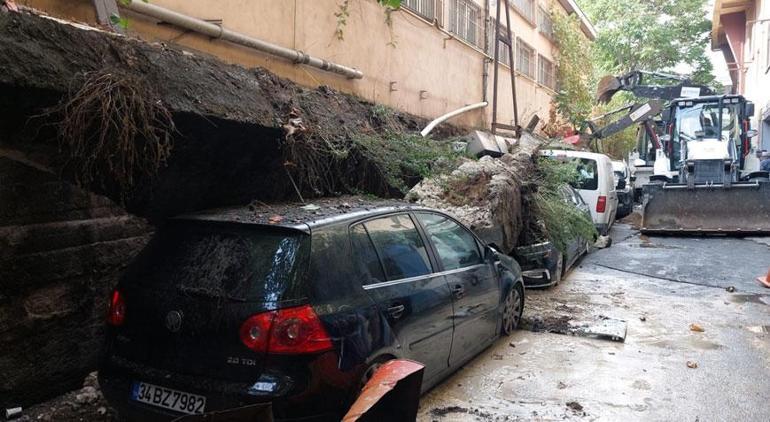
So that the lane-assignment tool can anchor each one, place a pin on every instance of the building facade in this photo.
(427, 58)
(741, 30)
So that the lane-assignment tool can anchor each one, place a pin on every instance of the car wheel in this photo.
(512, 309)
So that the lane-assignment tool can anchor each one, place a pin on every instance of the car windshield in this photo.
(222, 261)
(701, 121)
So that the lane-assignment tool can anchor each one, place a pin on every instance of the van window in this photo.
(588, 174)
(399, 246)
(366, 258)
(455, 246)
(222, 261)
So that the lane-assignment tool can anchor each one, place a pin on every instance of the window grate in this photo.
(544, 23)
(463, 18)
(545, 74)
(424, 8)
(525, 58)
(526, 8)
(502, 49)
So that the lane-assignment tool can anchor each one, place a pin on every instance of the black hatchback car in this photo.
(296, 306)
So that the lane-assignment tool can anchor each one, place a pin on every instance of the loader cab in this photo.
(645, 145)
(707, 128)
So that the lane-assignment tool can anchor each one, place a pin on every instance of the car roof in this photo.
(570, 153)
(302, 216)
(618, 165)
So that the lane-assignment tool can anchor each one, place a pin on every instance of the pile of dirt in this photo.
(486, 195)
(239, 134)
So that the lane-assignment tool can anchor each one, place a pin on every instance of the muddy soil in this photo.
(235, 126)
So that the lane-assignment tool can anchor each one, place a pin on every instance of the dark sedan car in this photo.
(242, 306)
(542, 264)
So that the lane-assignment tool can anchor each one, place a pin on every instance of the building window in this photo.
(525, 58)
(502, 49)
(424, 8)
(544, 23)
(767, 53)
(525, 8)
(463, 20)
(545, 73)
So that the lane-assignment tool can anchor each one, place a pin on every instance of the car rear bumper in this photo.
(116, 384)
(539, 277)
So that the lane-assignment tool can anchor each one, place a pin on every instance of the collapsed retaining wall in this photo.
(61, 251)
(62, 247)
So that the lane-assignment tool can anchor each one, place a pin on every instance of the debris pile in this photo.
(485, 195)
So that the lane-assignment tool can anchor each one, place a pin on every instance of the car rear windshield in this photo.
(588, 174)
(223, 261)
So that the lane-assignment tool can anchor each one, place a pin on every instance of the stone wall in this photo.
(62, 250)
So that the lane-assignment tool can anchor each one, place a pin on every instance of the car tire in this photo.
(513, 308)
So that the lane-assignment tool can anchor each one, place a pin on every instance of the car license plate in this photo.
(167, 398)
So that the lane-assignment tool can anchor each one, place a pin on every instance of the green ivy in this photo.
(574, 70)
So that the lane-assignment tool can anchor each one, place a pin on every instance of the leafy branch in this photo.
(343, 13)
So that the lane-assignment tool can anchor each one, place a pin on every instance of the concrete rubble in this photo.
(485, 195)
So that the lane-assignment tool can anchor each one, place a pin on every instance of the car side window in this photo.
(366, 258)
(456, 247)
(399, 246)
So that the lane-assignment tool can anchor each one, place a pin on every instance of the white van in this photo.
(597, 184)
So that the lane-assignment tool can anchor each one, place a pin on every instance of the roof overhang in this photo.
(585, 24)
(721, 8)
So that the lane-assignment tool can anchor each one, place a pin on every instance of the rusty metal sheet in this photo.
(393, 393)
(741, 209)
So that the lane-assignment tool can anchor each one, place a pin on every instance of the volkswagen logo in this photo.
(174, 321)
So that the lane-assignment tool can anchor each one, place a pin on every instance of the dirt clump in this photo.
(486, 195)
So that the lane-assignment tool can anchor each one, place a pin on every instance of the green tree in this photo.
(574, 70)
(654, 35)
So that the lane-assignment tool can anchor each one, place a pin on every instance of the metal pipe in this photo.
(449, 115)
(216, 31)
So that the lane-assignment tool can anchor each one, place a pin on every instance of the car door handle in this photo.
(396, 310)
(458, 291)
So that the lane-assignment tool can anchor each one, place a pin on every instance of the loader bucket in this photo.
(740, 209)
(607, 87)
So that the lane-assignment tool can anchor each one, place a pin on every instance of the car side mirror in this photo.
(752, 133)
(491, 251)
(632, 178)
(621, 184)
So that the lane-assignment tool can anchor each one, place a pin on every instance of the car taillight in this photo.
(289, 331)
(117, 312)
(601, 204)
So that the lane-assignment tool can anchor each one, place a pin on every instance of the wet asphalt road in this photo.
(658, 286)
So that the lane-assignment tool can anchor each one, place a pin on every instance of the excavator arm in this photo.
(635, 82)
(634, 114)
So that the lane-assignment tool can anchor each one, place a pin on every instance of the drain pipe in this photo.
(216, 31)
(449, 115)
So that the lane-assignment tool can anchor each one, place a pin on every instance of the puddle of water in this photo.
(751, 298)
(648, 245)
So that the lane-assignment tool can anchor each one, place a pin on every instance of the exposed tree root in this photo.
(114, 128)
